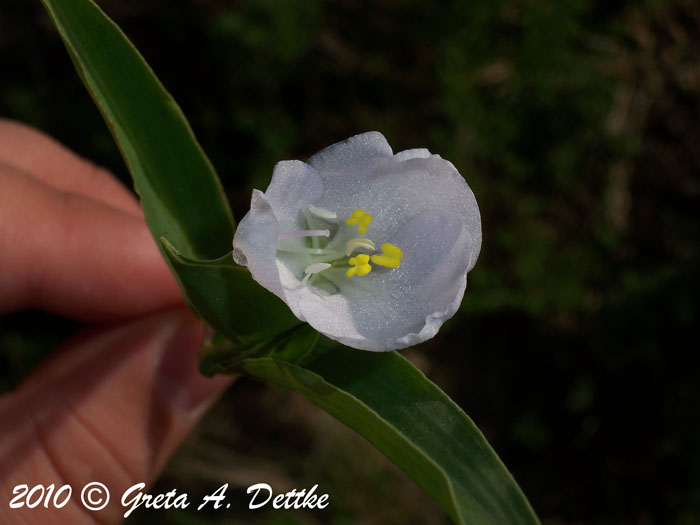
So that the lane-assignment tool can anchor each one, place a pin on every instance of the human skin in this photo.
(112, 403)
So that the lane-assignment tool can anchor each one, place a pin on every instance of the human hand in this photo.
(112, 404)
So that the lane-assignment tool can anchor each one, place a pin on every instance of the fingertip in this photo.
(42, 157)
(74, 256)
(104, 265)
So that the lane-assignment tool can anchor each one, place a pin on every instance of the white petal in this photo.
(407, 305)
(352, 155)
(397, 191)
(294, 185)
(331, 315)
(345, 167)
(391, 309)
(418, 153)
(255, 243)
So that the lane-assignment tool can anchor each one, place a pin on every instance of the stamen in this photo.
(323, 213)
(311, 225)
(359, 265)
(313, 269)
(390, 258)
(310, 251)
(361, 218)
(354, 244)
(303, 233)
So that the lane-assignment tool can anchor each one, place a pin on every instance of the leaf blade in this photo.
(380, 396)
(229, 299)
(181, 195)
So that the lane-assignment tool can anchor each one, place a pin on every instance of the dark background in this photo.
(577, 126)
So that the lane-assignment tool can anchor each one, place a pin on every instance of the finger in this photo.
(72, 255)
(40, 156)
(137, 396)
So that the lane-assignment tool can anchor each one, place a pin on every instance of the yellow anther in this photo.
(361, 218)
(360, 265)
(391, 256)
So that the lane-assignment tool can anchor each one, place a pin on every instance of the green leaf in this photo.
(409, 419)
(180, 192)
(223, 357)
(226, 296)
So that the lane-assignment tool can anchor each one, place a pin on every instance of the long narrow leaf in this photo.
(384, 398)
(180, 192)
(227, 297)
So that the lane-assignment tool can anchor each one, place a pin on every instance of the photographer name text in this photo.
(95, 496)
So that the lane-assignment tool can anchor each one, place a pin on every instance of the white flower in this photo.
(370, 248)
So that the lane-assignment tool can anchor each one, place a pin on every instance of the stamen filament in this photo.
(313, 269)
(310, 223)
(310, 251)
(303, 233)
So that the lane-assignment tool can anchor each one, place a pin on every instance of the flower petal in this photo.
(255, 243)
(330, 315)
(397, 191)
(384, 310)
(345, 166)
(417, 153)
(354, 155)
(393, 309)
(294, 185)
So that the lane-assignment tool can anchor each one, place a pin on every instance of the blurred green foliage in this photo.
(576, 124)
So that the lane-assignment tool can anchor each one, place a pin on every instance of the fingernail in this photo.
(178, 379)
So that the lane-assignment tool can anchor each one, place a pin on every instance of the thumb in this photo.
(108, 407)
